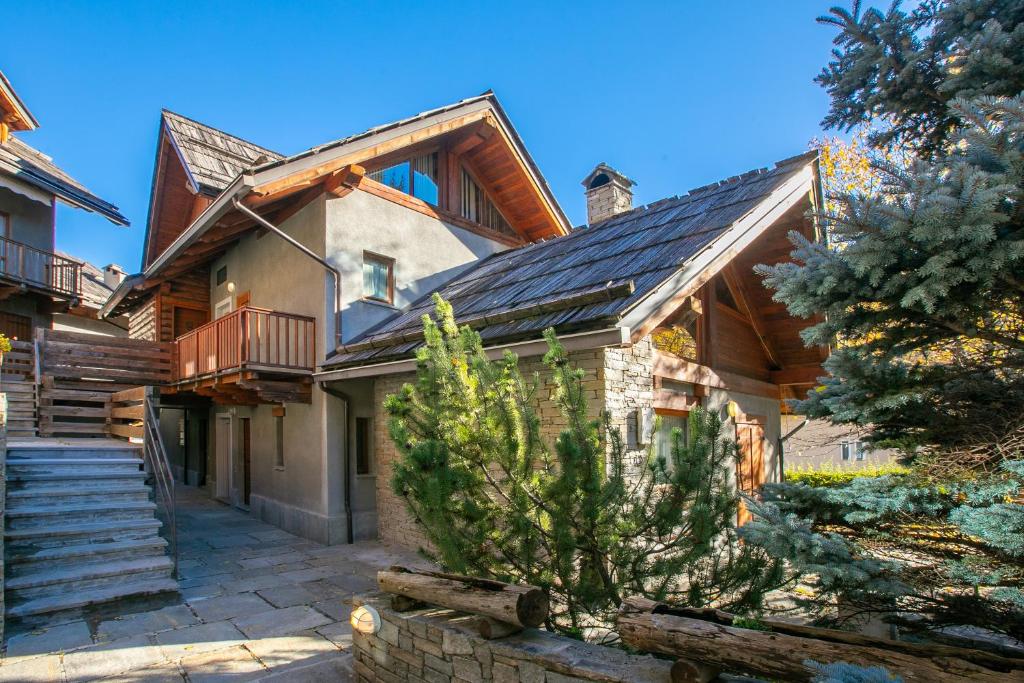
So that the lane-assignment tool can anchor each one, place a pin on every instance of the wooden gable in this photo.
(174, 204)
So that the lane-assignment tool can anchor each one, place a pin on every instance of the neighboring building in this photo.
(35, 281)
(96, 287)
(821, 444)
(292, 289)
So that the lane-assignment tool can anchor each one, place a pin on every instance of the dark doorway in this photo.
(188, 319)
(246, 461)
(14, 326)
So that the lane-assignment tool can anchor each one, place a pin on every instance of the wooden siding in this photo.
(174, 202)
(154, 319)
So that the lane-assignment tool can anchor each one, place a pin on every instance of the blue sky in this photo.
(674, 95)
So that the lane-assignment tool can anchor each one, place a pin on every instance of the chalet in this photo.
(35, 281)
(290, 290)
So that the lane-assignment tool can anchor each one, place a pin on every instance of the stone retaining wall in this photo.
(436, 645)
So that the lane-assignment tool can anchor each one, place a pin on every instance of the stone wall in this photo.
(436, 645)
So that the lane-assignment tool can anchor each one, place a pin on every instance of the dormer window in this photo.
(416, 176)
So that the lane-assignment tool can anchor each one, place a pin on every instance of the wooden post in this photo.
(522, 606)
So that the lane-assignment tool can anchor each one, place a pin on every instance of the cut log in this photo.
(985, 659)
(523, 606)
(782, 656)
(685, 671)
(491, 629)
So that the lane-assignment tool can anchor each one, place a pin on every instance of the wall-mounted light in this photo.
(732, 409)
(365, 619)
(231, 287)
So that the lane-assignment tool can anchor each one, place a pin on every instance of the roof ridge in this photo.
(164, 111)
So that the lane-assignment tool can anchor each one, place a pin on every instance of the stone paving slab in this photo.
(280, 622)
(263, 605)
(229, 606)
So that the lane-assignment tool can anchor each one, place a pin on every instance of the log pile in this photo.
(705, 642)
(502, 608)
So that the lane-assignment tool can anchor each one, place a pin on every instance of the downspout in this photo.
(782, 448)
(347, 463)
(308, 252)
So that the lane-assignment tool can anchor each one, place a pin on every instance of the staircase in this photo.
(80, 529)
(21, 405)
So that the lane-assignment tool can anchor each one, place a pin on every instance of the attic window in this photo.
(724, 294)
(416, 176)
(478, 207)
(680, 334)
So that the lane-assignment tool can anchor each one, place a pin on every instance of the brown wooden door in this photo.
(188, 319)
(246, 460)
(750, 468)
(14, 326)
(242, 299)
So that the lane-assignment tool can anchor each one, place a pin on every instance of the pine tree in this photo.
(496, 501)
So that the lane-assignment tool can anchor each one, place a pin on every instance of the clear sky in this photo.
(674, 95)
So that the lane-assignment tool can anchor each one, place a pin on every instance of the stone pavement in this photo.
(257, 603)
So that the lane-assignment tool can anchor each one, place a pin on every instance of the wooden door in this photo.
(750, 467)
(242, 299)
(246, 460)
(14, 326)
(187, 319)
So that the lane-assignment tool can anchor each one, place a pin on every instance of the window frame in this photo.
(390, 263)
(279, 442)
(5, 225)
(670, 412)
(406, 157)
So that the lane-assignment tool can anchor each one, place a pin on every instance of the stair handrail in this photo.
(157, 462)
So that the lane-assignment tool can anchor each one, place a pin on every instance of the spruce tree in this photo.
(495, 500)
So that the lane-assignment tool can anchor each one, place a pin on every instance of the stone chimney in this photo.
(113, 274)
(608, 193)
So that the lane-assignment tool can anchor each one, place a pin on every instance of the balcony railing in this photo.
(253, 338)
(43, 269)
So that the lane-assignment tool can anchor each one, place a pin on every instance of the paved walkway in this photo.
(257, 603)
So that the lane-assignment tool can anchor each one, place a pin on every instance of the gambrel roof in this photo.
(608, 275)
(212, 158)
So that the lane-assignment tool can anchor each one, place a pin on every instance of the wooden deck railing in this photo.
(248, 337)
(40, 268)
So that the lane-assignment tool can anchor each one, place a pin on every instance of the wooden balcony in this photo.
(39, 269)
(252, 354)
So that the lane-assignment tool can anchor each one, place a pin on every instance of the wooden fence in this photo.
(79, 372)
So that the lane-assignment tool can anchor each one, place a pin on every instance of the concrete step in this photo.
(77, 452)
(43, 480)
(30, 561)
(59, 535)
(92, 575)
(66, 495)
(71, 468)
(89, 598)
(31, 516)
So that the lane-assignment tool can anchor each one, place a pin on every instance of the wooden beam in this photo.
(798, 374)
(734, 282)
(680, 370)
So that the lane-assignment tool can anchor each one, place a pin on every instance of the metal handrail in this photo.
(40, 267)
(159, 465)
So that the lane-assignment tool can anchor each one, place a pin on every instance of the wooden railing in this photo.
(248, 337)
(40, 268)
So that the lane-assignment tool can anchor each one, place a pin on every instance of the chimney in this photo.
(113, 274)
(609, 193)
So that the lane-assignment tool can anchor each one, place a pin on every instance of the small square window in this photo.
(378, 277)
(363, 434)
(222, 275)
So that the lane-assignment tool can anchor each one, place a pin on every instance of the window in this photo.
(852, 450)
(416, 176)
(222, 275)
(846, 449)
(858, 450)
(279, 436)
(5, 225)
(679, 335)
(378, 277)
(668, 423)
(478, 207)
(222, 308)
(364, 462)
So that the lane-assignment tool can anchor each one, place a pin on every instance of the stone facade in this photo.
(441, 646)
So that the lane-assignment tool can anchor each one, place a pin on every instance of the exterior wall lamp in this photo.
(365, 619)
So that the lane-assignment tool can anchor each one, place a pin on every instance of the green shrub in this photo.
(829, 475)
